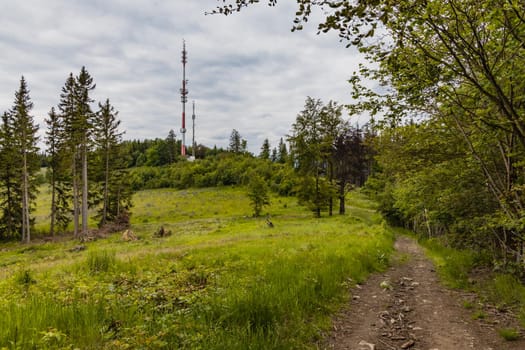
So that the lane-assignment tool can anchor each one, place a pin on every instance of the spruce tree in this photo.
(77, 116)
(10, 195)
(25, 141)
(108, 139)
(84, 114)
(282, 154)
(68, 145)
(265, 150)
(58, 172)
(171, 144)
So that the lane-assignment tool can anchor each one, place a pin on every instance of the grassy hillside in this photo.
(222, 280)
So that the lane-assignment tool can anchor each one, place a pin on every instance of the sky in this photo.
(247, 71)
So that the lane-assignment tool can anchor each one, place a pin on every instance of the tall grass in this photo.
(100, 261)
(455, 267)
(223, 280)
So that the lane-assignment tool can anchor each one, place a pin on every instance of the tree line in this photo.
(83, 155)
(88, 165)
(325, 159)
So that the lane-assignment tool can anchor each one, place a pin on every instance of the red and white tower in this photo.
(184, 99)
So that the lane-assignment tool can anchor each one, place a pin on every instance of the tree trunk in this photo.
(53, 204)
(317, 196)
(84, 189)
(26, 234)
(75, 199)
(342, 208)
(106, 189)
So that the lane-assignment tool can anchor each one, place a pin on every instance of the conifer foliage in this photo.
(76, 138)
(79, 138)
(19, 159)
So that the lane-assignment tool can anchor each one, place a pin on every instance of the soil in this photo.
(406, 307)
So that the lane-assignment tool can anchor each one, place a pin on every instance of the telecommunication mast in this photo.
(184, 99)
(193, 134)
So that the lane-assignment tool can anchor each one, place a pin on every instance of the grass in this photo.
(100, 261)
(455, 266)
(222, 280)
(509, 334)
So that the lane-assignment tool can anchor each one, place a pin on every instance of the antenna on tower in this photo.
(184, 99)
(193, 134)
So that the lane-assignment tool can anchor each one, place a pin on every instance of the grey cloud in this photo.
(245, 71)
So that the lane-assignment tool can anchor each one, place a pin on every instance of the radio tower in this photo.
(184, 99)
(193, 133)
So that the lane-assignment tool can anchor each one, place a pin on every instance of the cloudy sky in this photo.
(246, 72)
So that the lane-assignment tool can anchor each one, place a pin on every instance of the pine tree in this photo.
(10, 195)
(282, 153)
(25, 141)
(58, 174)
(77, 116)
(69, 147)
(107, 138)
(274, 157)
(84, 84)
(265, 150)
(171, 143)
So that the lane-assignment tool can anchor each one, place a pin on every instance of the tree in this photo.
(265, 150)
(307, 152)
(77, 116)
(282, 154)
(331, 126)
(69, 144)
(171, 144)
(10, 194)
(274, 156)
(84, 84)
(258, 193)
(350, 157)
(107, 138)
(235, 142)
(25, 141)
(57, 172)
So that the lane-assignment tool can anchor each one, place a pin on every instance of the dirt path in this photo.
(413, 312)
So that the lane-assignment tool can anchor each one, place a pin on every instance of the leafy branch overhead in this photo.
(353, 21)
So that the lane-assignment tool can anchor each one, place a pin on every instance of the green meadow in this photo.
(221, 280)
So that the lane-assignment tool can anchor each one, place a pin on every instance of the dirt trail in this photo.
(413, 312)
